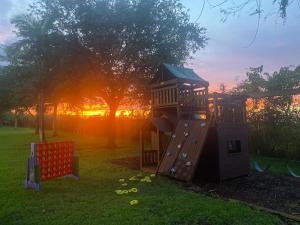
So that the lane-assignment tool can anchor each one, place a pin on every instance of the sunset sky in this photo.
(228, 54)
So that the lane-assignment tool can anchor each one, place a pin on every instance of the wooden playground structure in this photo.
(193, 132)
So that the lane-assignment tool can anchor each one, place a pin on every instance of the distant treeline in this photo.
(91, 126)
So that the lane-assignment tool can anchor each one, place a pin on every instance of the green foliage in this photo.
(275, 120)
(92, 199)
(278, 165)
(112, 47)
(125, 41)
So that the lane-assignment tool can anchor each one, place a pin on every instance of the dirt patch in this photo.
(130, 162)
(278, 192)
(273, 191)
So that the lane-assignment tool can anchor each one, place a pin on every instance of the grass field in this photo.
(92, 200)
(278, 165)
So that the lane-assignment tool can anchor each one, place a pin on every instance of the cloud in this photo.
(8, 9)
(5, 27)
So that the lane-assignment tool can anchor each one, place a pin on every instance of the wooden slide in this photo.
(184, 150)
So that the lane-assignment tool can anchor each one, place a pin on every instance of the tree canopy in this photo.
(110, 48)
(273, 119)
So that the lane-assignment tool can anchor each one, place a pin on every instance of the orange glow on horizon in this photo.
(102, 110)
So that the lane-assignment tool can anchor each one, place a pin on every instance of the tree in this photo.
(35, 59)
(126, 41)
(5, 94)
(272, 118)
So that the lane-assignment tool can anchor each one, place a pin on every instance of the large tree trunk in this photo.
(111, 139)
(54, 121)
(42, 117)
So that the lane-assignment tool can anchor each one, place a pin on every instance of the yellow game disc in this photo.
(134, 190)
(133, 178)
(133, 202)
(119, 192)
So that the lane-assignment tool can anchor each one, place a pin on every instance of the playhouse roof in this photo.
(182, 72)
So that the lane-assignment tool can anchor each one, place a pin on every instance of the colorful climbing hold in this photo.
(189, 163)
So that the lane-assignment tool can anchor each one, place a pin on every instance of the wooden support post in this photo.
(216, 107)
(159, 145)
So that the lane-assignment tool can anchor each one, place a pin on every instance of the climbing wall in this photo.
(184, 150)
(177, 140)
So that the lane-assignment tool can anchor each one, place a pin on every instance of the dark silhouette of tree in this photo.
(273, 119)
(126, 42)
(34, 61)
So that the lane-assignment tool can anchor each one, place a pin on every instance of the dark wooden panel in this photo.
(233, 165)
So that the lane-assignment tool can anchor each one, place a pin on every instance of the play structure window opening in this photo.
(234, 146)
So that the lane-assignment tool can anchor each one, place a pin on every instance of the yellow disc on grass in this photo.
(134, 202)
(133, 178)
(119, 192)
(134, 190)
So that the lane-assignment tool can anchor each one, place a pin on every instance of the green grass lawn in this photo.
(278, 165)
(92, 199)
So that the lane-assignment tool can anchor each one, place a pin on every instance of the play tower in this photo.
(192, 132)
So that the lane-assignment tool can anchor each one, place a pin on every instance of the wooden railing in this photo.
(150, 157)
(183, 97)
(164, 96)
